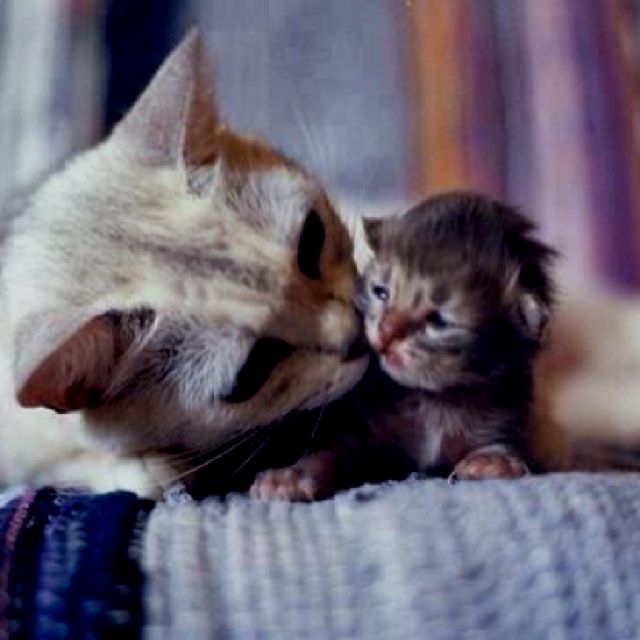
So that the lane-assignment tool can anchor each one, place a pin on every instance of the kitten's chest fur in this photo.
(434, 434)
(435, 431)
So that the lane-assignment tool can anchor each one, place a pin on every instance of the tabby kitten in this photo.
(455, 300)
(172, 289)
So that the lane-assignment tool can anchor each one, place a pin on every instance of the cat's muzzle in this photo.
(356, 346)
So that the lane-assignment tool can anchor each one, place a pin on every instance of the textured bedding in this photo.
(549, 557)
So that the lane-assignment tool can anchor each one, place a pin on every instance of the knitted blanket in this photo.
(549, 557)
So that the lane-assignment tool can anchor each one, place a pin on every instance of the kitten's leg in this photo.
(494, 461)
(350, 462)
(311, 478)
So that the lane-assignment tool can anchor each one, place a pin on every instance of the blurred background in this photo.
(535, 101)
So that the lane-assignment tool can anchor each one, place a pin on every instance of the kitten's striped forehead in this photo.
(416, 293)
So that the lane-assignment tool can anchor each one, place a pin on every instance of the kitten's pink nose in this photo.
(393, 326)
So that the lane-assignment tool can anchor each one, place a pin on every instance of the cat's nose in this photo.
(393, 326)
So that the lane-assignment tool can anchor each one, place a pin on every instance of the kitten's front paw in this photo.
(489, 464)
(307, 480)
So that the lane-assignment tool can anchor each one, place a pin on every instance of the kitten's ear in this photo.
(175, 120)
(67, 362)
(530, 295)
(373, 232)
(531, 314)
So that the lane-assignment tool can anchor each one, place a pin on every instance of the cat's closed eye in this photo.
(266, 354)
(310, 245)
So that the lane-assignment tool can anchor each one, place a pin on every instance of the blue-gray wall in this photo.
(322, 79)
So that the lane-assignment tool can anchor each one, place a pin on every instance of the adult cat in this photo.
(174, 287)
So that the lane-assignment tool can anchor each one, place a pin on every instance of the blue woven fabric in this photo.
(73, 571)
(549, 557)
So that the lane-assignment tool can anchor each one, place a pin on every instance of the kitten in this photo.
(456, 300)
(175, 288)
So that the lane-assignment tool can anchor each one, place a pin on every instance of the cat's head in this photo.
(181, 280)
(457, 291)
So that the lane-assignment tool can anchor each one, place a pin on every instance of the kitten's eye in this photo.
(435, 320)
(380, 292)
(310, 245)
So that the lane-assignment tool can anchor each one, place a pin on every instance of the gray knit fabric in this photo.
(551, 558)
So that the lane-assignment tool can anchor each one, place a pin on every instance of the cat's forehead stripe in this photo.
(205, 263)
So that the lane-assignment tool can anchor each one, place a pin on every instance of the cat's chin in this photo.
(339, 377)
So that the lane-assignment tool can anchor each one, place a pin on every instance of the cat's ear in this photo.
(67, 362)
(175, 120)
(373, 233)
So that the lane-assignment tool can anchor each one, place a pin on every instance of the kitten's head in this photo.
(181, 280)
(457, 292)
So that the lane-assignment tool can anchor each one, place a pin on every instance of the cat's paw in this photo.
(307, 480)
(489, 464)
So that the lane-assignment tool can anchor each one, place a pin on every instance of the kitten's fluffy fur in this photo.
(140, 278)
(466, 297)
(456, 300)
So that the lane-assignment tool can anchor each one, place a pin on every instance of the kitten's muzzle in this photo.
(393, 326)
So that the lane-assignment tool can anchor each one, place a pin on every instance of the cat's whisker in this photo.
(320, 144)
(187, 456)
(254, 433)
(315, 429)
(366, 186)
(310, 141)
(226, 444)
(267, 437)
(330, 144)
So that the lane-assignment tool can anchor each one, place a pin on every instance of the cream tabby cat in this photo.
(173, 287)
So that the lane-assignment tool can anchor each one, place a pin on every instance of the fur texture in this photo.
(139, 280)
